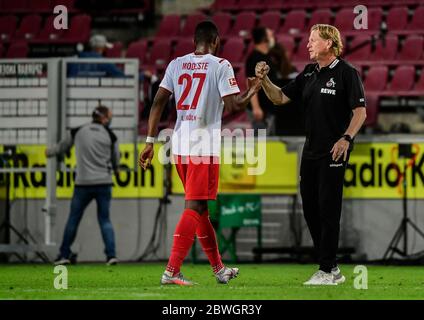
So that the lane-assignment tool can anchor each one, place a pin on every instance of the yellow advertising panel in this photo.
(129, 184)
(375, 171)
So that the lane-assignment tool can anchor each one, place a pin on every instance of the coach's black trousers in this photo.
(321, 188)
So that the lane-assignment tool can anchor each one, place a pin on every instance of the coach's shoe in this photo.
(112, 261)
(226, 274)
(337, 274)
(61, 261)
(65, 261)
(168, 278)
(321, 278)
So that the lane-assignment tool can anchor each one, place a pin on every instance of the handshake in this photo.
(261, 71)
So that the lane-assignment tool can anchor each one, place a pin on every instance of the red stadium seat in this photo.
(376, 79)
(223, 22)
(361, 54)
(115, 51)
(274, 4)
(372, 109)
(137, 50)
(403, 79)
(344, 20)
(169, 26)
(412, 48)
(397, 19)
(17, 49)
(244, 23)
(1, 50)
(375, 16)
(302, 53)
(419, 85)
(191, 23)
(48, 32)
(233, 50)
(271, 20)
(160, 53)
(294, 22)
(225, 5)
(184, 46)
(14, 6)
(7, 27)
(385, 50)
(30, 26)
(41, 6)
(252, 4)
(417, 22)
(319, 16)
(79, 29)
(287, 42)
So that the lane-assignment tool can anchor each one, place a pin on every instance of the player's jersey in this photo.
(199, 82)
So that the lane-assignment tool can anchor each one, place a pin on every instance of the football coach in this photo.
(331, 95)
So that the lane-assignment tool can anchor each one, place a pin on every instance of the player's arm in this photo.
(238, 102)
(159, 103)
(60, 148)
(273, 92)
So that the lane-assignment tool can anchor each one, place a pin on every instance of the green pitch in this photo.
(264, 281)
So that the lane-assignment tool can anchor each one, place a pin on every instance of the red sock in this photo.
(207, 237)
(183, 239)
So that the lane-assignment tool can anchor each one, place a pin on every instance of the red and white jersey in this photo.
(199, 82)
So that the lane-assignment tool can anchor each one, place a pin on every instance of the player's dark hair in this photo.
(259, 35)
(99, 112)
(206, 32)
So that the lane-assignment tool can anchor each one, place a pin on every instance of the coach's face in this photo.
(317, 46)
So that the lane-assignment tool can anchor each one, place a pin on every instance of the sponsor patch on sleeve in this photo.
(233, 82)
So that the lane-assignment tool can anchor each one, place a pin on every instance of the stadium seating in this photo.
(41, 6)
(417, 22)
(271, 20)
(412, 48)
(397, 19)
(184, 46)
(160, 54)
(419, 85)
(294, 23)
(223, 22)
(319, 16)
(169, 26)
(363, 52)
(243, 25)
(1, 50)
(8, 26)
(48, 32)
(191, 23)
(79, 30)
(115, 51)
(344, 20)
(138, 50)
(14, 6)
(376, 79)
(385, 50)
(30, 27)
(18, 49)
(287, 42)
(403, 79)
(233, 51)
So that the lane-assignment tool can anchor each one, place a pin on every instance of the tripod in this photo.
(159, 228)
(6, 224)
(405, 152)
